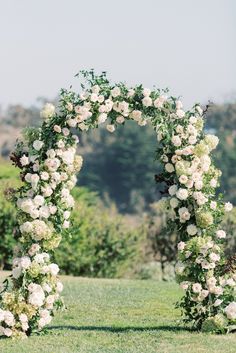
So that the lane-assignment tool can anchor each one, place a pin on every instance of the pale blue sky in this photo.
(187, 45)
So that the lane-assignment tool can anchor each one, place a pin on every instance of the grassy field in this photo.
(120, 316)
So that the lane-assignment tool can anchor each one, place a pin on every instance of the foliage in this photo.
(7, 214)
(99, 244)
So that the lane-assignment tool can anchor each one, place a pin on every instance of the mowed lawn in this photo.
(120, 316)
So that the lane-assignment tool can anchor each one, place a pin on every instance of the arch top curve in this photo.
(48, 162)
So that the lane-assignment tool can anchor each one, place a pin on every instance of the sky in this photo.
(185, 45)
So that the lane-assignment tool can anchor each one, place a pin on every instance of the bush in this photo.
(100, 244)
(7, 215)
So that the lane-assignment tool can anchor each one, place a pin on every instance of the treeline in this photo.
(121, 166)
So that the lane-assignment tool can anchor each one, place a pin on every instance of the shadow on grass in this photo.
(121, 329)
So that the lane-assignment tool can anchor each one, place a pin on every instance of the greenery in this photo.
(120, 316)
(100, 244)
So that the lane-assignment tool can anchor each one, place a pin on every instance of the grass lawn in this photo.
(119, 316)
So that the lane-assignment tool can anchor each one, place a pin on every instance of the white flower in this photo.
(47, 111)
(214, 257)
(181, 246)
(102, 118)
(182, 194)
(26, 227)
(131, 92)
(57, 128)
(176, 140)
(68, 156)
(213, 183)
(7, 332)
(199, 109)
(158, 103)
(146, 92)
(69, 106)
(179, 105)
(220, 234)
(38, 144)
(191, 229)
(136, 115)
(66, 214)
(65, 131)
(174, 202)
(24, 160)
(213, 205)
(115, 92)
(37, 297)
(52, 164)
(183, 179)
(66, 224)
(147, 101)
(230, 311)
(196, 287)
(228, 207)
(184, 214)
(72, 122)
(110, 128)
(169, 168)
(33, 249)
(25, 262)
(23, 318)
(16, 272)
(180, 113)
(217, 302)
(172, 190)
(9, 318)
(120, 119)
(53, 269)
(39, 200)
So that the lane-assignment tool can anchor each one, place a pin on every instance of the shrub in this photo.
(100, 243)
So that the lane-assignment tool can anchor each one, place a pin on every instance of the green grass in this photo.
(120, 316)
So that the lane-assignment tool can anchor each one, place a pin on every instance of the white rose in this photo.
(120, 119)
(102, 118)
(230, 311)
(25, 262)
(39, 200)
(57, 128)
(176, 140)
(180, 113)
(37, 144)
(183, 179)
(179, 105)
(147, 101)
(53, 269)
(169, 168)
(182, 194)
(172, 190)
(174, 202)
(181, 245)
(146, 92)
(24, 160)
(110, 128)
(213, 183)
(220, 234)
(196, 287)
(115, 92)
(72, 122)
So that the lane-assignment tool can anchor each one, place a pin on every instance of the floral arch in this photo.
(48, 162)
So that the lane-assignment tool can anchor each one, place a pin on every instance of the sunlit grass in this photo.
(120, 316)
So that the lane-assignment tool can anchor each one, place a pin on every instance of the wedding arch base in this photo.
(48, 162)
